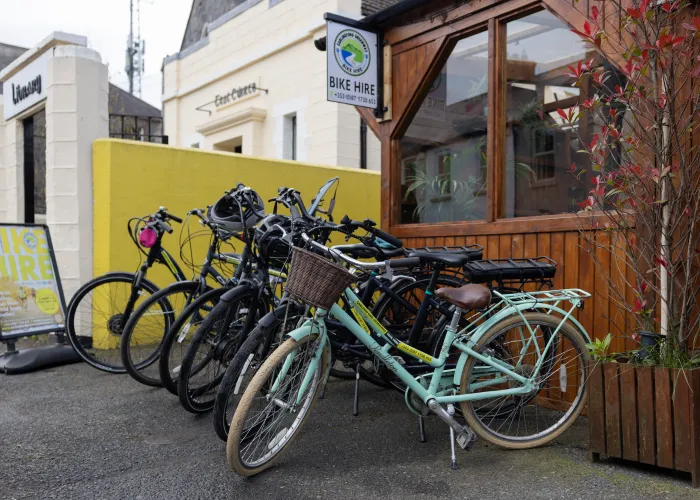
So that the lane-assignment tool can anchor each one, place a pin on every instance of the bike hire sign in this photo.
(27, 87)
(31, 301)
(352, 59)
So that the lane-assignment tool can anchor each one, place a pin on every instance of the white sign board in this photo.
(352, 59)
(27, 87)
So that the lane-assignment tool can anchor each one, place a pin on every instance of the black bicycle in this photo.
(144, 335)
(222, 332)
(100, 309)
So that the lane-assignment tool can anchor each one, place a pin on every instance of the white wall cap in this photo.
(55, 38)
(77, 52)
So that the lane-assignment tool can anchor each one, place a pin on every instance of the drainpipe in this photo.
(363, 144)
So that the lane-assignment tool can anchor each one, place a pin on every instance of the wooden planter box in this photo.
(645, 414)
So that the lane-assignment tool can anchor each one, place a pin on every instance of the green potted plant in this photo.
(645, 406)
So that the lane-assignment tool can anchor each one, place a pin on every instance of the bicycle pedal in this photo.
(466, 438)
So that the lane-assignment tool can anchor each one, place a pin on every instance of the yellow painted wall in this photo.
(133, 179)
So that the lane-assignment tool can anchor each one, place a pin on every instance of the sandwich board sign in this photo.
(354, 63)
(31, 296)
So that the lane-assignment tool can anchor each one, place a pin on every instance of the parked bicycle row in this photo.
(485, 345)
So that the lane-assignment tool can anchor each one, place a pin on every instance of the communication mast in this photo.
(135, 50)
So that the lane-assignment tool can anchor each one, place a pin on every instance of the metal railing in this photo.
(136, 128)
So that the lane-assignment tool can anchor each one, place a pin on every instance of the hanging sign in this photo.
(27, 87)
(31, 297)
(353, 62)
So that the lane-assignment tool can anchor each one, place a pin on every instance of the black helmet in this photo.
(269, 238)
(238, 210)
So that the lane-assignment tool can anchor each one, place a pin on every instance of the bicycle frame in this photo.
(369, 329)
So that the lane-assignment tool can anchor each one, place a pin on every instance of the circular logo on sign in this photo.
(30, 240)
(47, 301)
(352, 52)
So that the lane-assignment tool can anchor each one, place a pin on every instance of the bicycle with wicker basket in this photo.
(541, 380)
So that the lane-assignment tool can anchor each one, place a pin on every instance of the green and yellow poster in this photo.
(30, 297)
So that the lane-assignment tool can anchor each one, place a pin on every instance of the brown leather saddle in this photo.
(467, 297)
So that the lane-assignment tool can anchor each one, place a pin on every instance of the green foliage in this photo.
(441, 193)
(599, 349)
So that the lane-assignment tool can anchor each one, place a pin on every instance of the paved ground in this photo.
(76, 433)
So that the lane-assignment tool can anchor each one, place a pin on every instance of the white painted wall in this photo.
(76, 115)
(272, 46)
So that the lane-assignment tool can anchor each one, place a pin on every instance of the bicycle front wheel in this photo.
(144, 333)
(97, 315)
(178, 339)
(536, 418)
(276, 404)
(213, 347)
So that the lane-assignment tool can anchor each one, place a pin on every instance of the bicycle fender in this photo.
(459, 368)
(278, 314)
(542, 307)
(474, 338)
(306, 330)
(230, 294)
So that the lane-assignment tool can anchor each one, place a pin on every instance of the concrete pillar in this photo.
(12, 172)
(76, 115)
(3, 188)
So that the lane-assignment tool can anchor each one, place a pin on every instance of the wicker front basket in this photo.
(315, 280)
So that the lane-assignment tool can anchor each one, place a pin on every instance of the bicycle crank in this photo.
(464, 435)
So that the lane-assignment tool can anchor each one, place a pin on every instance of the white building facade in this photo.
(251, 81)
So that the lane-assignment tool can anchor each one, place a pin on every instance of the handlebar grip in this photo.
(175, 218)
(407, 262)
(165, 227)
(393, 241)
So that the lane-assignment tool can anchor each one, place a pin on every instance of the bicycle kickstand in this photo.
(421, 429)
(453, 465)
(356, 402)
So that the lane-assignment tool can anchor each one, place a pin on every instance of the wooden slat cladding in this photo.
(576, 269)
(645, 414)
(409, 69)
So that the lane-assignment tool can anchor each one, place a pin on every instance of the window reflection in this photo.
(540, 148)
(443, 153)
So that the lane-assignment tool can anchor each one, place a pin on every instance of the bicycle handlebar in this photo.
(336, 253)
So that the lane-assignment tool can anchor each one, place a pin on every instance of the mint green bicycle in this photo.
(517, 371)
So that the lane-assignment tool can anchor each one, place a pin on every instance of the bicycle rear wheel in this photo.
(96, 317)
(540, 416)
(144, 333)
(276, 404)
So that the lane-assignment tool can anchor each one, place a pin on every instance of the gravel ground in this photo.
(75, 433)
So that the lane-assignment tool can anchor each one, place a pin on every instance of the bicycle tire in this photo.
(165, 299)
(85, 347)
(475, 416)
(261, 341)
(169, 363)
(266, 372)
(222, 348)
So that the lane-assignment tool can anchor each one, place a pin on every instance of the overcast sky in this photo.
(105, 23)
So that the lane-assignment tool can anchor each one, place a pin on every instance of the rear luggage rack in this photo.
(475, 252)
(503, 272)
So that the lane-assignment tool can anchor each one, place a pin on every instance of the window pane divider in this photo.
(496, 120)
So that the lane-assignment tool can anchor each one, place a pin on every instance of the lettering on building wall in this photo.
(21, 92)
(235, 94)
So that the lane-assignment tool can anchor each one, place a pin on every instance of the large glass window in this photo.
(443, 162)
(443, 153)
(540, 147)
